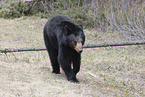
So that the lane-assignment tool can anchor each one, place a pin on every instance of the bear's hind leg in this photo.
(52, 55)
(53, 58)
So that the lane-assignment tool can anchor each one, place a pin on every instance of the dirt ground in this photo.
(28, 79)
(105, 72)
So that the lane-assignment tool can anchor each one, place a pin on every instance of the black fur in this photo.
(60, 37)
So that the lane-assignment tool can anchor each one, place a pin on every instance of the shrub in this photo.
(123, 16)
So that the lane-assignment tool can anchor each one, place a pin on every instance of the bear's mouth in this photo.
(79, 47)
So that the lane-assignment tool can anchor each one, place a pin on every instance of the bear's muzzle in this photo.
(79, 47)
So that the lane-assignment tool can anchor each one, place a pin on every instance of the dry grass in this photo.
(116, 71)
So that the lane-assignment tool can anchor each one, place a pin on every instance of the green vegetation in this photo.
(123, 16)
(112, 71)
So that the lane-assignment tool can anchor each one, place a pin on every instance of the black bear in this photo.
(64, 41)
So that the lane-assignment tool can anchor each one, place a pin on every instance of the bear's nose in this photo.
(80, 50)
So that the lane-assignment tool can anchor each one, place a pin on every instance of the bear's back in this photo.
(53, 26)
(56, 20)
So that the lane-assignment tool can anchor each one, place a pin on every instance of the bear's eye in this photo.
(75, 42)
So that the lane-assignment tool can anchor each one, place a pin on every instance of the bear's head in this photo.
(74, 36)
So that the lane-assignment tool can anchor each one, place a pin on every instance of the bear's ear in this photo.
(81, 26)
(67, 30)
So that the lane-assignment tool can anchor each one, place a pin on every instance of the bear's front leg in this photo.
(70, 74)
(65, 63)
(76, 63)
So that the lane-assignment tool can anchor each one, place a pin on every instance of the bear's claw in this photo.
(56, 72)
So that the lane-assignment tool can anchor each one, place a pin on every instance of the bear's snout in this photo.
(79, 47)
(80, 50)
